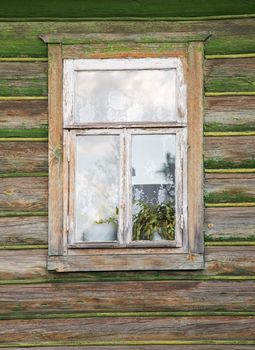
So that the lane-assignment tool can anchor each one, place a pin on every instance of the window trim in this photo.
(189, 47)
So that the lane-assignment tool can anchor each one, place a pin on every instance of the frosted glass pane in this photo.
(125, 96)
(97, 188)
(153, 186)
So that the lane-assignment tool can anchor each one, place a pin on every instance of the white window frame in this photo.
(126, 130)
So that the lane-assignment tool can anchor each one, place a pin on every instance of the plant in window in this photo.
(154, 220)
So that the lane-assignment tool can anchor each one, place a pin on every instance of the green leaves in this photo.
(151, 219)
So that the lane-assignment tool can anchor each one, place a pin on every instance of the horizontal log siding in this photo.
(70, 294)
(128, 329)
(229, 36)
(26, 264)
(45, 300)
(43, 346)
(229, 113)
(222, 75)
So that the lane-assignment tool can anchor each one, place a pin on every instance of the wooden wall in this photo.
(200, 310)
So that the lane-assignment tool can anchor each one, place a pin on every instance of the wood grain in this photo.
(23, 78)
(22, 264)
(230, 113)
(230, 75)
(56, 298)
(127, 329)
(23, 157)
(55, 152)
(16, 116)
(28, 194)
(229, 36)
(229, 223)
(195, 144)
(24, 230)
(142, 347)
(234, 151)
(220, 188)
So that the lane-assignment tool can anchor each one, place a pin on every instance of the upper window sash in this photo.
(175, 114)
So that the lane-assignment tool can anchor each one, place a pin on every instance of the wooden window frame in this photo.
(189, 48)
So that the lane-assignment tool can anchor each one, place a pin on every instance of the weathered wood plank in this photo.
(55, 298)
(23, 157)
(145, 347)
(23, 118)
(127, 8)
(127, 329)
(24, 230)
(195, 141)
(230, 75)
(22, 264)
(229, 152)
(230, 224)
(229, 36)
(228, 188)
(55, 151)
(24, 193)
(230, 113)
(23, 79)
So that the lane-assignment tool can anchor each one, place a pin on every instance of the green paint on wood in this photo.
(230, 84)
(229, 197)
(215, 127)
(17, 98)
(23, 247)
(230, 93)
(229, 244)
(219, 163)
(241, 55)
(33, 87)
(22, 213)
(230, 239)
(125, 8)
(7, 175)
(23, 59)
(223, 205)
(228, 133)
(131, 276)
(24, 133)
(23, 139)
(165, 314)
(128, 343)
(230, 171)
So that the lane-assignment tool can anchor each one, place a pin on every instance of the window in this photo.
(125, 157)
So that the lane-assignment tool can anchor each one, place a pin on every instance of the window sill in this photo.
(125, 262)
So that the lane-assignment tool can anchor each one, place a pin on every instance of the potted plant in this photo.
(154, 221)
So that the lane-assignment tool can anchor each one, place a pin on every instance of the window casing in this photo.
(68, 250)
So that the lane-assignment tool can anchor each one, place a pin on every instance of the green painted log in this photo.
(228, 37)
(125, 8)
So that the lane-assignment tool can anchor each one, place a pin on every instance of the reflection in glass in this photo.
(125, 96)
(97, 188)
(153, 187)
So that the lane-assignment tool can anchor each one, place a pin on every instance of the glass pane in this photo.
(153, 187)
(97, 188)
(125, 96)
